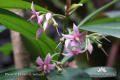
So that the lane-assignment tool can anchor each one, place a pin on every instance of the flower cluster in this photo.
(94, 38)
(39, 19)
(74, 39)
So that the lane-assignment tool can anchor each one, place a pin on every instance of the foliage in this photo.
(45, 45)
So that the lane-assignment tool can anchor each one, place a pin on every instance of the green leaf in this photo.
(109, 28)
(103, 20)
(17, 23)
(2, 28)
(6, 49)
(96, 12)
(15, 72)
(110, 72)
(17, 4)
(70, 74)
(83, 1)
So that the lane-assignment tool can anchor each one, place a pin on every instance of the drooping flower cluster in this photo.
(94, 38)
(45, 66)
(72, 40)
(39, 19)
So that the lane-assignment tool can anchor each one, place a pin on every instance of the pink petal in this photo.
(81, 51)
(46, 71)
(81, 41)
(67, 49)
(78, 48)
(45, 25)
(70, 37)
(40, 68)
(41, 18)
(83, 34)
(32, 8)
(48, 59)
(67, 43)
(38, 33)
(39, 61)
(90, 48)
(75, 29)
(51, 66)
(73, 43)
(40, 25)
(37, 18)
(67, 54)
(48, 16)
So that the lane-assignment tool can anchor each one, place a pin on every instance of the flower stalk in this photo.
(65, 22)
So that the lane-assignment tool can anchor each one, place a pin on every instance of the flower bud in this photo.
(62, 39)
(38, 33)
(95, 38)
(59, 70)
(90, 48)
(48, 16)
(45, 25)
(99, 45)
(100, 35)
(55, 25)
(58, 63)
(41, 18)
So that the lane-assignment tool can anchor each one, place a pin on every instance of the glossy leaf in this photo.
(96, 12)
(109, 28)
(15, 72)
(103, 20)
(70, 74)
(6, 49)
(16, 23)
(97, 70)
(18, 4)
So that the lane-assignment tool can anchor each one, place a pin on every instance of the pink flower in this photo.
(38, 33)
(90, 48)
(34, 16)
(45, 65)
(48, 16)
(67, 43)
(74, 51)
(41, 18)
(76, 37)
(45, 25)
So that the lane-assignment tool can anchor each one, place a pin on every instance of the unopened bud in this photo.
(58, 63)
(59, 70)
(65, 7)
(95, 38)
(99, 45)
(100, 35)
(55, 25)
(62, 39)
